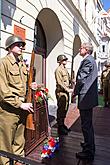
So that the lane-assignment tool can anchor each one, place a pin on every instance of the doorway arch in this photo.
(54, 44)
(48, 44)
(51, 26)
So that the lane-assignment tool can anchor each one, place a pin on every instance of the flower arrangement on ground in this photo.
(50, 147)
(52, 144)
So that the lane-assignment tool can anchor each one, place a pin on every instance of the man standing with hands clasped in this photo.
(87, 90)
(13, 109)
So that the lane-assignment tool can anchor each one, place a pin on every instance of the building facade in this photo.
(51, 28)
(102, 33)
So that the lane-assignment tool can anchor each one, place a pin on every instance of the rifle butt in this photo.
(29, 122)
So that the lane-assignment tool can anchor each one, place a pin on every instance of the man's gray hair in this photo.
(88, 46)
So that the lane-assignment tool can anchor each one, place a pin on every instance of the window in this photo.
(103, 48)
(40, 54)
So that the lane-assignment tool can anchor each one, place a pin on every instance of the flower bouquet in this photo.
(50, 147)
(41, 93)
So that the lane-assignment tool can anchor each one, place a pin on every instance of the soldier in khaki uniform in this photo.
(13, 109)
(105, 84)
(62, 93)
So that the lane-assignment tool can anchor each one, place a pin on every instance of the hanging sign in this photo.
(19, 31)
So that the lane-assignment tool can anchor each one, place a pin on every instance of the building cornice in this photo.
(80, 19)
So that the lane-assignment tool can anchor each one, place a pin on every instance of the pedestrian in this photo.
(87, 90)
(62, 93)
(13, 109)
(105, 84)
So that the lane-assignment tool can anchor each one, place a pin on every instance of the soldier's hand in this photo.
(33, 85)
(27, 107)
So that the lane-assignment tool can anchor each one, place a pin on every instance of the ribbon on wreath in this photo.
(52, 144)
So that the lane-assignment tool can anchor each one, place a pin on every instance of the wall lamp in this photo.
(21, 19)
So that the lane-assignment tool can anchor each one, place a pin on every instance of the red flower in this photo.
(44, 151)
(38, 94)
(46, 90)
(41, 94)
(51, 142)
(48, 151)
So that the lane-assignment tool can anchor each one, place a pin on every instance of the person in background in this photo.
(13, 109)
(105, 84)
(62, 93)
(87, 90)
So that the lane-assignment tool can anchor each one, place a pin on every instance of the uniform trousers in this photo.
(87, 129)
(12, 127)
(106, 93)
(62, 103)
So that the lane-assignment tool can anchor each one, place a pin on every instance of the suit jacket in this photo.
(86, 84)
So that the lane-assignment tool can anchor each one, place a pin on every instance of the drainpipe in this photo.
(0, 27)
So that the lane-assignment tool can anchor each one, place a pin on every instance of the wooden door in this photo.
(33, 138)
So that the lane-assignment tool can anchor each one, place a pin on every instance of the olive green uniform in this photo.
(13, 78)
(62, 93)
(105, 85)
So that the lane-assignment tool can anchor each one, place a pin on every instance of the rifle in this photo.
(29, 120)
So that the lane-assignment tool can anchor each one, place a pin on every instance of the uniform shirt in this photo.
(13, 78)
(105, 77)
(62, 78)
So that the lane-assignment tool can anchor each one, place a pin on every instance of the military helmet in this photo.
(13, 39)
(107, 64)
(61, 58)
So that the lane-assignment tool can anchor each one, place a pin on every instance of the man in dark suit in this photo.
(87, 90)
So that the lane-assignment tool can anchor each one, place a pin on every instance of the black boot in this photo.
(84, 145)
(85, 155)
(105, 105)
(62, 130)
(65, 127)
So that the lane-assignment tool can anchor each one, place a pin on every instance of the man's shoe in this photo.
(65, 127)
(84, 156)
(62, 131)
(83, 145)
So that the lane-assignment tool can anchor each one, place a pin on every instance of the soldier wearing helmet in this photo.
(105, 84)
(12, 40)
(13, 109)
(62, 93)
(61, 58)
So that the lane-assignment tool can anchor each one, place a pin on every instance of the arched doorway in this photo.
(48, 44)
(54, 44)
